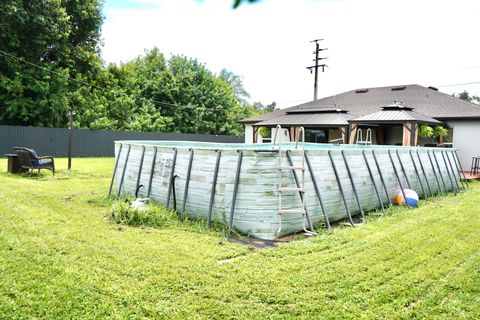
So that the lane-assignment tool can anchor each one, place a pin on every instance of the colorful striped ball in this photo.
(412, 198)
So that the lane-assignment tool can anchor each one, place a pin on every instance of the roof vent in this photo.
(361, 91)
(399, 88)
(396, 105)
(317, 110)
(433, 88)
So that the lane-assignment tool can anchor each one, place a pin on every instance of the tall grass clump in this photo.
(159, 217)
(153, 216)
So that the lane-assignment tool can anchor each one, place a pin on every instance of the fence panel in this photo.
(87, 143)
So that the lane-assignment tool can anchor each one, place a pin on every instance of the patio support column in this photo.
(406, 134)
(343, 131)
(292, 134)
(295, 134)
(414, 134)
(353, 133)
(409, 134)
(255, 134)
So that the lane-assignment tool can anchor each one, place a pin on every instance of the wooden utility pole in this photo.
(70, 136)
(316, 66)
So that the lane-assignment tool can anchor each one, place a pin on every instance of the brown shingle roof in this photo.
(322, 119)
(426, 101)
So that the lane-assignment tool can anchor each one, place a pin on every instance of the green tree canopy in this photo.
(50, 64)
(43, 44)
(151, 93)
(236, 82)
(237, 3)
(465, 95)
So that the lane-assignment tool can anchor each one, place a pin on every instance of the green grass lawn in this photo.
(61, 258)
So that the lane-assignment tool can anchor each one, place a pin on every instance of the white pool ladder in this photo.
(368, 137)
(297, 189)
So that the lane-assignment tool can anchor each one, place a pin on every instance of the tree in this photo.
(237, 3)
(236, 82)
(467, 97)
(425, 131)
(151, 93)
(261, 108)
(440, 131)
(50, 64)
(122, 97)
(43, 45)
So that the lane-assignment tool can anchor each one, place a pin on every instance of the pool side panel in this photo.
(256, 209)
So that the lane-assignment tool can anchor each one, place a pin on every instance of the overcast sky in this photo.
(370, 42)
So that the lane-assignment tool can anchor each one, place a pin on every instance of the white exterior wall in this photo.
(248, 133)
(466, 137)
(283, 136)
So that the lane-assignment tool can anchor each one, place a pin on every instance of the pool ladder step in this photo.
(283, 189)
(301, 168)
(287, 211)
(299, 182)
(368, 138)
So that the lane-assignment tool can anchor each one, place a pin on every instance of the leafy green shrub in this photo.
(153, 216)
(440, 131)
(159, 217)
(425, 131)
(265, 132)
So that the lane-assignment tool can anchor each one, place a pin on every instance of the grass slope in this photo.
(60, 258)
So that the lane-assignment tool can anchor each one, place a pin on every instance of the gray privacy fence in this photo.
(87, 143)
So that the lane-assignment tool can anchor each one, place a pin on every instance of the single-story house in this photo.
(393, 114)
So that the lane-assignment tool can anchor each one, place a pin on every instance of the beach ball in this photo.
(412, 198)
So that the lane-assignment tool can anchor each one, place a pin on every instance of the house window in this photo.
(316, 136)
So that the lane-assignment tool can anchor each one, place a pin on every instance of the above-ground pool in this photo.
(257, 189)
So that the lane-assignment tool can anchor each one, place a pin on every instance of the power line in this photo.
(459, 84)
(161, 103)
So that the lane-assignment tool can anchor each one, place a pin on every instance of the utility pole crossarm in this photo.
(319, 66)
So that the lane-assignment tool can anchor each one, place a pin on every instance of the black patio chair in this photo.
(475, 165)
(29, 160)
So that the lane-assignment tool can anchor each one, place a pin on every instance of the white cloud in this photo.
(371, 42)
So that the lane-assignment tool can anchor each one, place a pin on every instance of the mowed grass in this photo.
(60, 258)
